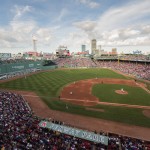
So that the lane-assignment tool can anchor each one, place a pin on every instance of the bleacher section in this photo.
(138, 69)
(19, 129)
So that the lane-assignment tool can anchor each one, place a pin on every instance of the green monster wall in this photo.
(23, 66)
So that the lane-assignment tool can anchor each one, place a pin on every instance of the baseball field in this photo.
(89, 92)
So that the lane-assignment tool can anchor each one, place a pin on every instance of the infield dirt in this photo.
(42, 110)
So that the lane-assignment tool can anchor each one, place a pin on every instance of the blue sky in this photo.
(124, 24)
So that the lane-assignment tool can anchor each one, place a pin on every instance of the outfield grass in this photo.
(48, 85)
(135, 96)
(125, 115)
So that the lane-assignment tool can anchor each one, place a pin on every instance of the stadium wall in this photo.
(22, 68)
(48, 67)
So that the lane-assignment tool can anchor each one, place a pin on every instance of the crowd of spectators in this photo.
(134, 67)
(75, 62)
(140, 70)
(137, 57)
(19, 130)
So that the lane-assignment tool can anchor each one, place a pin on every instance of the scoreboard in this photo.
(5, 55)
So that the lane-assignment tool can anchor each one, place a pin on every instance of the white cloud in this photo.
(120, 25)
(127, 15)
(44, 35)
(146, 29)
(62, 14)
(20, 10)
(19, 35)
(117, 26)
(74, 40)
(126, 36)
(22, 32)
(85, 25)
(93, 4)
(89, 3)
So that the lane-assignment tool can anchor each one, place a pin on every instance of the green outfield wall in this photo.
(23, 66)
(48, 67)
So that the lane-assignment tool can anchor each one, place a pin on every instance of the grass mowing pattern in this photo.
(131, 116)
(148, 86)
(48, 85)
(123, 114)
(135, 96)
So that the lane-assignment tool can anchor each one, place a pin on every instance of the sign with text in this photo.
(90, 136)
(5, 55)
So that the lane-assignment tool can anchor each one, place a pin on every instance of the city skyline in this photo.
(124, 25)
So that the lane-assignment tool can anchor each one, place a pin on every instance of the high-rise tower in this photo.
(93, 46)
(83, 47)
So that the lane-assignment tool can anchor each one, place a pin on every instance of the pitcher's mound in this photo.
(121, 92)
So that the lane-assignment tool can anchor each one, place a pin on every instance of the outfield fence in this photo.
(23, 68)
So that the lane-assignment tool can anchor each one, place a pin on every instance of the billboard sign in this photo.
(5, 55)
(90, 136)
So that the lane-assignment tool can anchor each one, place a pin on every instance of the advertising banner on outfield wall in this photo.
(20, 66)
(90, 136)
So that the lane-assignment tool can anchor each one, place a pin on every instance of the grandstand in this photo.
(21, 129)
(137, 65)
(139, 69)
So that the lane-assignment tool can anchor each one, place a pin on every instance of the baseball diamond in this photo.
(49, 85)
(90, 92)
(75, 75)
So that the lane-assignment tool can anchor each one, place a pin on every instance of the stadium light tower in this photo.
(34, 39)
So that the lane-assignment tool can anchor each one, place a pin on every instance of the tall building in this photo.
(114, 51)
(93, 46)
(83, 48)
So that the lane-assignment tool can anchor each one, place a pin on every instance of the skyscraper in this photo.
(83, 48)
(93, 46)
